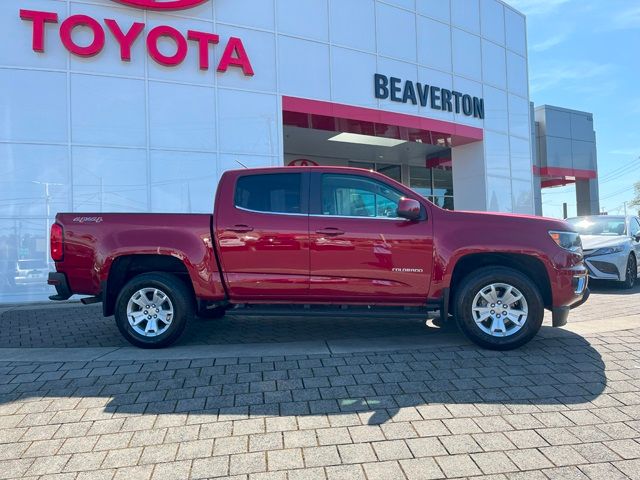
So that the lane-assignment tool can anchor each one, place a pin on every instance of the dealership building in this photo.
(141, 105)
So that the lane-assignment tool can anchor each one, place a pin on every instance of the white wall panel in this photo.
(522, 191)
(182, 116)
(492, 20)
(496, 110)
(515, 32)
(108, 111)
(250, 13)
(499, 194)
(432, 33)
(353, 24)
(247, 122)
(408, 4)
(304, 68)
(519, 124)
(183, 181)
(109, 179)
(33, 106)
(261, 49)
(521, 167)
(25, 180)
(352, 77)
(438, 9)
(466, 54)
(517, 74)
(496, 151)
(465, 14)
(494, 64)
(396, 31)
(315, 14)
(18, 52)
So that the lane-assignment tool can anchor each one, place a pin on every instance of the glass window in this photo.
(354, 196)
(635, 226)
(442, 181)
(420, 180)
(276, 193)
(609, 226)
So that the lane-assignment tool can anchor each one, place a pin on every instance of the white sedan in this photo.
(611, 246)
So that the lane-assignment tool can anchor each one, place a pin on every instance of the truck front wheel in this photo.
(498, 308)
(152, 310)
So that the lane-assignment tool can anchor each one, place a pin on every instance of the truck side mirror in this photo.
(409, 208)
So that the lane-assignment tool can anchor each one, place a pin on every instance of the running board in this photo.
(337, 310)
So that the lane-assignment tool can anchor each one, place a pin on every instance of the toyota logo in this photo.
(162, 4)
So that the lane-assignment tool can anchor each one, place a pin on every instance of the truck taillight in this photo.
(56, 243)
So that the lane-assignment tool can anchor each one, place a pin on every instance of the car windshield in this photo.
(609, 226)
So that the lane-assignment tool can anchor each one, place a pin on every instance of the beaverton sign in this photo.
(436, 98)
(234, 54)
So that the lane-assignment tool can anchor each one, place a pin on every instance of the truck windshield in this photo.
(610, 226)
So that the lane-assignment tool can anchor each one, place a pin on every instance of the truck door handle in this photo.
(330, 231)
(240, 229)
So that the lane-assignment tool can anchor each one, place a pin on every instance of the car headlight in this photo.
(567, 240)
(608, 250)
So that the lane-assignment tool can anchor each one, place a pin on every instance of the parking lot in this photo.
(320, 398)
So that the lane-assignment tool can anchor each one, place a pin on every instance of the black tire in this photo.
(631, 273)
(179, 295)
(478, 280)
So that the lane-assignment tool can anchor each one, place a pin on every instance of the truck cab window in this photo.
(274, 193)
(355, 196)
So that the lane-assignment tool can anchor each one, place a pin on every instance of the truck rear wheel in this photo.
(498, 308)
(152, 310)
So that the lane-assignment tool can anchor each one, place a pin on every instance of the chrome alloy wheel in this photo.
(500, 310)
(150, 312)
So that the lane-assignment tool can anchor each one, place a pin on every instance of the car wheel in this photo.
(498, 308)
(631, 274)
(152, 310)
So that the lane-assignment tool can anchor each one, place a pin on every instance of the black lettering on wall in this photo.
(435, 96)
(395, 89)
(423, 94)
(446, 100)
(467, 108)
(380, 83)
(409, 93)
(478, 107)
(456, 96)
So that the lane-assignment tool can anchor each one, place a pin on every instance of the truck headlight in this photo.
(608, 250)
(567, 240)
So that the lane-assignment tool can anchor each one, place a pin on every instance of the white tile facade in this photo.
(97, 133)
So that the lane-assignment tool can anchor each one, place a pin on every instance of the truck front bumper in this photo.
(59, 281)
(580, 285)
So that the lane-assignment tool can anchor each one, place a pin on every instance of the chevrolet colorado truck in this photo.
(317, 241)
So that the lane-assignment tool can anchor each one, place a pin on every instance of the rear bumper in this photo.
(59, 281)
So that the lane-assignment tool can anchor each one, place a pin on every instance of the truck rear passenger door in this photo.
(262, 231)
(360, 250)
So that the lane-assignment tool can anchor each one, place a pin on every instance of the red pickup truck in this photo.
(317, 241)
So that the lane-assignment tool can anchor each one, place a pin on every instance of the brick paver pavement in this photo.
(564, 406)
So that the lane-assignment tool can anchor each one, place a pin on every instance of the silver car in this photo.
(611, 246)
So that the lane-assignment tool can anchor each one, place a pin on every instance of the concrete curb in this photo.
(338, 347)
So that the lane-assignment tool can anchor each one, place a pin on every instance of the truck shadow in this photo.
(558, 368)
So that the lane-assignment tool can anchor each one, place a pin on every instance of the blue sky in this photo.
(585, 55)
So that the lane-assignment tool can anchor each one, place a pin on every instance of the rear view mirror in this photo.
(409, 208)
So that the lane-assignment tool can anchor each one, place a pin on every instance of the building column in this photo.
(469, 182)
(587, 197)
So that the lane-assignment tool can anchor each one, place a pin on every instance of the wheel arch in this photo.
(126, 267)
(528, 265)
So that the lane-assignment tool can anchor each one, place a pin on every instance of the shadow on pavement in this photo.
(558, 368)
(608, 287)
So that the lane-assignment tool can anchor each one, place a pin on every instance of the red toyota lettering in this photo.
(235, 55)
(38, 19)
(66, 30)
(203, 39)
(126, 40)
(167, 60)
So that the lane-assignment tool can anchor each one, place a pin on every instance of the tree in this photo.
(636, 201)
